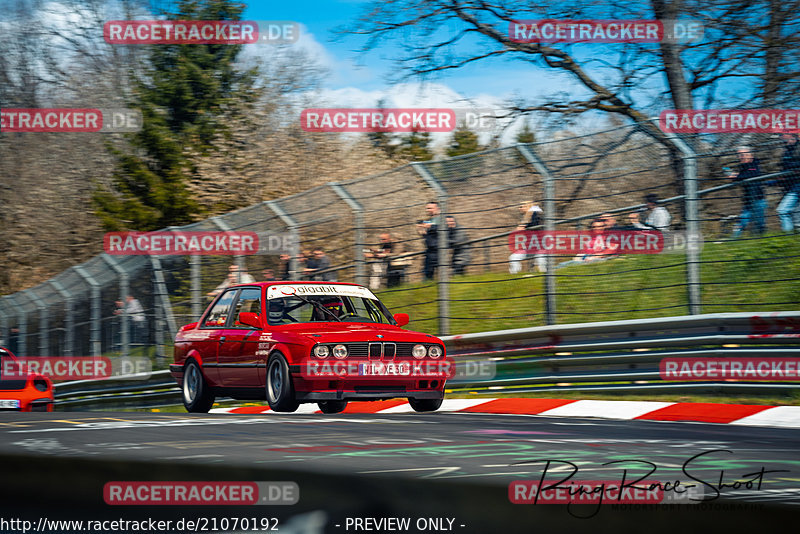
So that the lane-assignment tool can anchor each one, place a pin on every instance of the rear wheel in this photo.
(197, 395)
(334, 406)
(425, 405)
(280, 391)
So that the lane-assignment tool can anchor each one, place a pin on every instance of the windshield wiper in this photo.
(318, 306)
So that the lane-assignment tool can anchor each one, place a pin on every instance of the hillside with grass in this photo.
(736, 276)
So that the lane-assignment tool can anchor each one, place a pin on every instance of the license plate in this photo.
(384, 369)
(9, 403)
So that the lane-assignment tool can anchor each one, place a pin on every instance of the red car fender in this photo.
(284, 349)
(193, 355)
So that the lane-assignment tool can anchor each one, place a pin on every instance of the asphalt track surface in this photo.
(440, 465)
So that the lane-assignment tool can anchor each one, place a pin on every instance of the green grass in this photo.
(743, 275)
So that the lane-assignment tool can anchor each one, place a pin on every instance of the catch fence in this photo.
(573, 179)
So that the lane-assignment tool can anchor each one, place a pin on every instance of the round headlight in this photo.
(321, 351)
(435, 351)
(340, 352)
(418, 351)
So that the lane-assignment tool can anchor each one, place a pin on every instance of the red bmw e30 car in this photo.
(298, 342)
(20, 390)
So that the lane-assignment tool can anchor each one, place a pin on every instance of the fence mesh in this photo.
(574, 180)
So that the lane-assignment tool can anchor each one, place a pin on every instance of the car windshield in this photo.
(317, 308)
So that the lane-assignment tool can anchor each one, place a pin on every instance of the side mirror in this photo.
(250, 319)
(401, 318)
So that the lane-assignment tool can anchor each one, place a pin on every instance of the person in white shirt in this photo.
(235, 276)
(658, 218)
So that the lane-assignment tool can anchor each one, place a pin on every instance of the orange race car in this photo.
(29, 393)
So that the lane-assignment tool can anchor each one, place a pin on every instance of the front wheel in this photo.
(280, 391)
(197, 395)
(333, 406)
(425, 405)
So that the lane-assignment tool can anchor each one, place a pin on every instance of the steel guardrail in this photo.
(608, 355)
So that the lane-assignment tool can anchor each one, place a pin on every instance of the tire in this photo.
(425, 405)
(196, 393)
(334, 406)
(280, 390)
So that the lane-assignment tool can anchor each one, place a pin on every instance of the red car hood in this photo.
(344, 332)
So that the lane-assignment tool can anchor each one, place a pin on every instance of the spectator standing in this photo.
(285, 267)
(658, 216)
(268, 275)
(135, 313)
(457, 241)
(753, 202)
(789, 206)
(319, 261)
(635, 223)
(235, 276)
(429, 230)
(306, 263)
(532, 216)
(381, 261)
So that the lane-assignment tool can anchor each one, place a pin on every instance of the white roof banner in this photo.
(288, 290)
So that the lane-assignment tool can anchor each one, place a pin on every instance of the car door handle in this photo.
(222, 339)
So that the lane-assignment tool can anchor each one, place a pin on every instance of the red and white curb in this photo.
(734, 414)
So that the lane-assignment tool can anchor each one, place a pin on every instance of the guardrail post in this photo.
(292, 226)
(549, 224)
(124, 290)
(443, 260)
(69, 320)
(44, 330)
(360, 241)
(94, 330)
(691, 200)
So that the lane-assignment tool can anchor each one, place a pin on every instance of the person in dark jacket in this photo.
(429, 230)
(753, 202)
(789, 206)
(457, 241)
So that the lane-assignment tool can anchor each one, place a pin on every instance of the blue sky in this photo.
(321, 17)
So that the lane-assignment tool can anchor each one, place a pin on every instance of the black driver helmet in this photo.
(275, 310)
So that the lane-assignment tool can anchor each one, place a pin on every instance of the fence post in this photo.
(689, 158)
(196, 281)
(442, 260)
(549, 224)
(292, 226)
(69, 320)
(3, 327)
(22, 326)
(238, 258)
(360, 241)
(163, 308)
(44, 338)
(94, 330)
(124, 290)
